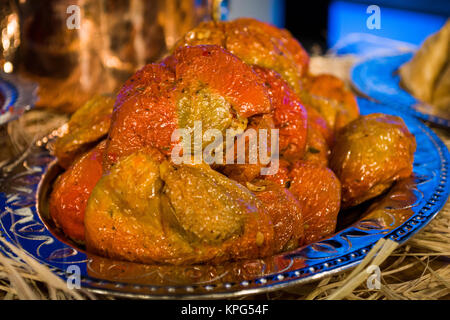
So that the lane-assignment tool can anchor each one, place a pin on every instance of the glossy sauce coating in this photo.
(330, 97)
(285, 212)
(370, 154)
(144, 114)
(244, 75)
(153, 103)
(148, 211)
(319, 192)
(72, 190)
(248, 171)
(256, 43)
(86, 126)
(288, 114)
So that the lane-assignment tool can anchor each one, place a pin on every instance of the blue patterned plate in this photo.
(405, 209)
(378, 79)
(16, 96)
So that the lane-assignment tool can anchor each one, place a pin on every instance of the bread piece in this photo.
(419, 75)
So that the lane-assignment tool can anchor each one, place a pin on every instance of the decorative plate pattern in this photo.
(378, 78)
(406, 208)
(16, 96)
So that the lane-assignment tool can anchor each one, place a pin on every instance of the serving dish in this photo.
(377, 78)
(398, 214)
(16, 96)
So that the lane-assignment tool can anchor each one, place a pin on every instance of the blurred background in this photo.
(74, 48)
(321, 24)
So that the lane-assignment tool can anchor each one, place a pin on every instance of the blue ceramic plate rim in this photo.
(21, 225)
(376, 77)
(19, 96)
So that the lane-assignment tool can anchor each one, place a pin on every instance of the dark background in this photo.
(307, 20)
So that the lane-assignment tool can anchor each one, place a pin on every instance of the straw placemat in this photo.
(420, 269)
